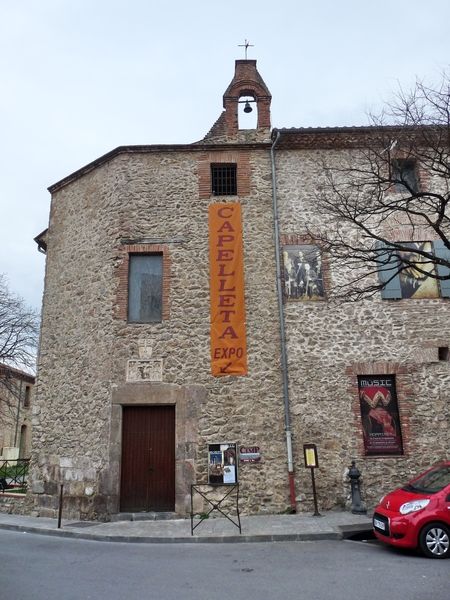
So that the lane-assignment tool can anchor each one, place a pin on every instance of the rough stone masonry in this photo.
(94, 363)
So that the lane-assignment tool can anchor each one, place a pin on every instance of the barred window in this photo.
(224, 179)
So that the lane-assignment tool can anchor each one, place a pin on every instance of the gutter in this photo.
(284, 365)
(41, 241)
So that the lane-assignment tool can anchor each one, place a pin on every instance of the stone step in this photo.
(144, 516)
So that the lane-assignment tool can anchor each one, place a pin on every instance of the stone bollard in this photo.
(357, 504)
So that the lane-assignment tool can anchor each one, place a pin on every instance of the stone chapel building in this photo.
(176, 348)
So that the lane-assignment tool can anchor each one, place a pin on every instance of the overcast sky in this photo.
(81, 77)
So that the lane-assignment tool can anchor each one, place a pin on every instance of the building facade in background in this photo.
(16, 392)
(187, 336)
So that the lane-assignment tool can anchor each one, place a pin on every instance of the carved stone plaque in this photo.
(145, 348)
(145, 370)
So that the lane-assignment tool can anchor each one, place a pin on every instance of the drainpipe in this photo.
(284, 366)
(18, 414)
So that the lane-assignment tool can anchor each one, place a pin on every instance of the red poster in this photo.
(379, 412)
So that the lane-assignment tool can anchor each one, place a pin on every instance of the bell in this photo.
(247, 107)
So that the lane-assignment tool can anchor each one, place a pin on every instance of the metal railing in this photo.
(14, 474)
(215, 503)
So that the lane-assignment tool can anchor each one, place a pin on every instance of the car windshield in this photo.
(432, 482)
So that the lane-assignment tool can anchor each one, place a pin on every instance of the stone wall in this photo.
(151, 197)
(87, 367)
(13, 505)
(330, 344)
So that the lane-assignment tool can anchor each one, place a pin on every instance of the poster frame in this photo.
(223, 463)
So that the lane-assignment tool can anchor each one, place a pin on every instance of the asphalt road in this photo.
(36, 567)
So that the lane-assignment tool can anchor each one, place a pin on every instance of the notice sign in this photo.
(228, 339)
(249, 454)
(311, 457)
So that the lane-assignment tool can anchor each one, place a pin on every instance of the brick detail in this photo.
(409, 233)
(423, 177)
(246, 82)
(121, 305)
(405, 400)
(243, 170)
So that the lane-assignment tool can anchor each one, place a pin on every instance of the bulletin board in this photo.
(222, 464)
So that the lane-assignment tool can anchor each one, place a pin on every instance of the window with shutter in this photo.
(409, 274)
(388, 265)
(441, 251)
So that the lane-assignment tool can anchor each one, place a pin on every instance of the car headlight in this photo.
(413, 506)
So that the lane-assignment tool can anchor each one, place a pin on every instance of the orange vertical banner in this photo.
(226, 260)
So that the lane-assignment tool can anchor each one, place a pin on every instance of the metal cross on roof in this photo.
(246, 45)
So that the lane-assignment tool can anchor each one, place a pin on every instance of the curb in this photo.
(342, 533)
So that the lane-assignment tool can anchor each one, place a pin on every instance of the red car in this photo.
(418, 514)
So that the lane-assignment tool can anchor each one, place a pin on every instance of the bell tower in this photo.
(247, 83)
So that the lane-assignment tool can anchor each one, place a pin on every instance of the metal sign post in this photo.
(312, 462)
(60, 507)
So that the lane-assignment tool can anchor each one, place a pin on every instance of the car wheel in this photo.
(434, 540)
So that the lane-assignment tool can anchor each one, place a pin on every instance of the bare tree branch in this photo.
(399, 181)
(19, 330)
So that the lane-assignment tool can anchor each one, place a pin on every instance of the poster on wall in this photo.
(222, 464)
(380, 416)
(303, 275)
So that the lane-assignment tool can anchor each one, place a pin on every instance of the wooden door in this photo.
(148, 459)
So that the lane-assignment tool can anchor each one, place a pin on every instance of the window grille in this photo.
(224, 180)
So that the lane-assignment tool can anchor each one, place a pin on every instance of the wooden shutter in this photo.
(441, 251)
(391, 289)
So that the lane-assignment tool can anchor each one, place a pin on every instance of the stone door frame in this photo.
(187, 401)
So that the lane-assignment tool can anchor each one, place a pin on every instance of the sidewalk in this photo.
(267, 528)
